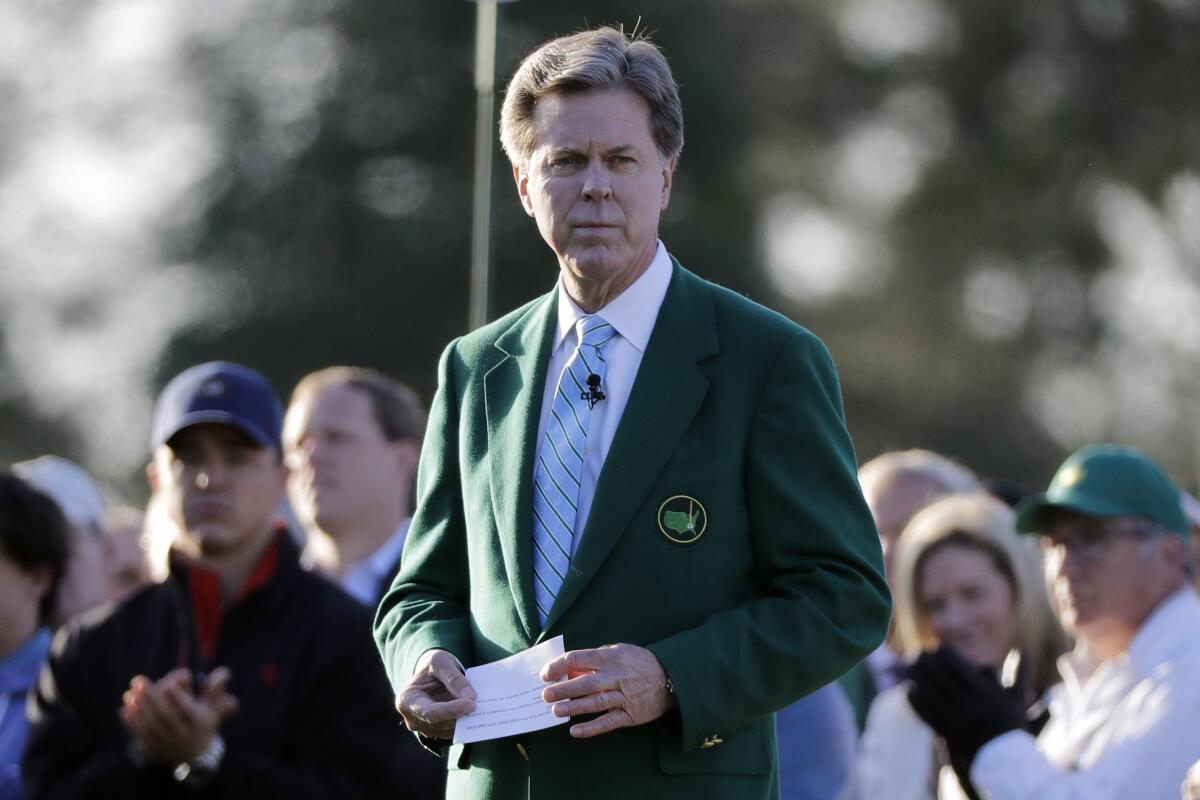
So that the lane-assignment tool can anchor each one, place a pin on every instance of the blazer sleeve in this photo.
(427, 606)
(821, 603)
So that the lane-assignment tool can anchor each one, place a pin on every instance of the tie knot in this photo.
(594, 331)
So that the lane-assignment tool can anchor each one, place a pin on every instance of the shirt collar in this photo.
(1172, 624)
(382, 560)
(1175, 622)
(19, 669)
(631, 313)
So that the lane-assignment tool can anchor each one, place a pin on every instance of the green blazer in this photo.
(738, 410)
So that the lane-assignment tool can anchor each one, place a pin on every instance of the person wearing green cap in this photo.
(1123, 723)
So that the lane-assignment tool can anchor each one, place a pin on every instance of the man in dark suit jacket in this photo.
(350, 438)
(647, 464)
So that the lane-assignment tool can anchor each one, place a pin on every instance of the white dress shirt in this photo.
(1121, 729)
(364, 579)
(632, 314)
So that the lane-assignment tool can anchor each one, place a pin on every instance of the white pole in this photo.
(485, 106)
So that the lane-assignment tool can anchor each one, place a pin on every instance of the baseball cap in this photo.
(68, 485)
(1107, 480)
(219, 392)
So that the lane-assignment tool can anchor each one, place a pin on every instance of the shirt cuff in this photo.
(1008, 765)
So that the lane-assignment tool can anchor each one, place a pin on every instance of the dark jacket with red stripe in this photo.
(316, 716)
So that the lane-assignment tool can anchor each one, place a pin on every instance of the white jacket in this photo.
(895, 760)
(1125, 729)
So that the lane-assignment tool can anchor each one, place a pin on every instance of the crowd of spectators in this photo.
(1043, 645)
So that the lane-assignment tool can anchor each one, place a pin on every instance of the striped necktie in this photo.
(559, 469)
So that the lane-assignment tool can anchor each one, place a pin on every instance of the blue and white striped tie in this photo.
(557, 474)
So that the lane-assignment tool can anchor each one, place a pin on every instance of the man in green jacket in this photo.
(651, 466)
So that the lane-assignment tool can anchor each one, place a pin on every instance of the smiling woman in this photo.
(963, 578)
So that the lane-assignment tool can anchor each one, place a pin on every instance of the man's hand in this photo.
(623, 680)
(436, 697)
(168, 722)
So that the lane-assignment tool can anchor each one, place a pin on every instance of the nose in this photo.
(596, 185)
(949, 620)
(210, 476)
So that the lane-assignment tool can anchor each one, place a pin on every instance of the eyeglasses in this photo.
(1090, 540)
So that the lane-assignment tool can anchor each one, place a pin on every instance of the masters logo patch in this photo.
(682, 519)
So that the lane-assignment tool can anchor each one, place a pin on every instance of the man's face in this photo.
(219, 486)
(84, 584)
(596, 183)
(1104, 577)
(893, 501)
(342, 467)
(125, 559)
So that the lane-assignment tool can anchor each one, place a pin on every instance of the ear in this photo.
(152, 475)
(668, 173)
(405, 454)
(521, 178)
(40, 581)
(1175, 551)
(409, 452)
(284, 473)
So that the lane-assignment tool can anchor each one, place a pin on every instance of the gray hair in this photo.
(944, 475)
(603, 58)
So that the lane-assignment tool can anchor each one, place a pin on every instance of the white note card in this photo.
(510, 696)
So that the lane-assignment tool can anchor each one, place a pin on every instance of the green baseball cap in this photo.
(1107, 480)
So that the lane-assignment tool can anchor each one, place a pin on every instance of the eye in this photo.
(238, 456)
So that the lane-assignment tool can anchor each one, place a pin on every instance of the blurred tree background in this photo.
(989, 211)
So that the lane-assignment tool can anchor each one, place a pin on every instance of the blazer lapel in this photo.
(513, 402)
(667, 393)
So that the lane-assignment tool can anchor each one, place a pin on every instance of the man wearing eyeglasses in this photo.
(1123, 723)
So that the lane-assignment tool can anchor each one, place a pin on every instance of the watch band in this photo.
(199, 770)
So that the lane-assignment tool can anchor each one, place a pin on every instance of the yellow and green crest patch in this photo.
(682, 519)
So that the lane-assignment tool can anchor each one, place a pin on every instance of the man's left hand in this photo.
(622, 682)
(171, 724)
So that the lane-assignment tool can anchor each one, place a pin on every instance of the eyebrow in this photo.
(620, 149)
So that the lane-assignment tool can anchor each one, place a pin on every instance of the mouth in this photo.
(207, 509)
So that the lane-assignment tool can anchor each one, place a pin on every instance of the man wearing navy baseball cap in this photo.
(1123, 723)
(242, 674)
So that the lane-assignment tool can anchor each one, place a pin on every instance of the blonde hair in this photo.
(977, 520)
(396, 407)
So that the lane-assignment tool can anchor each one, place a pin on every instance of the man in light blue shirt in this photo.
(351, 438)
(33, 556)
